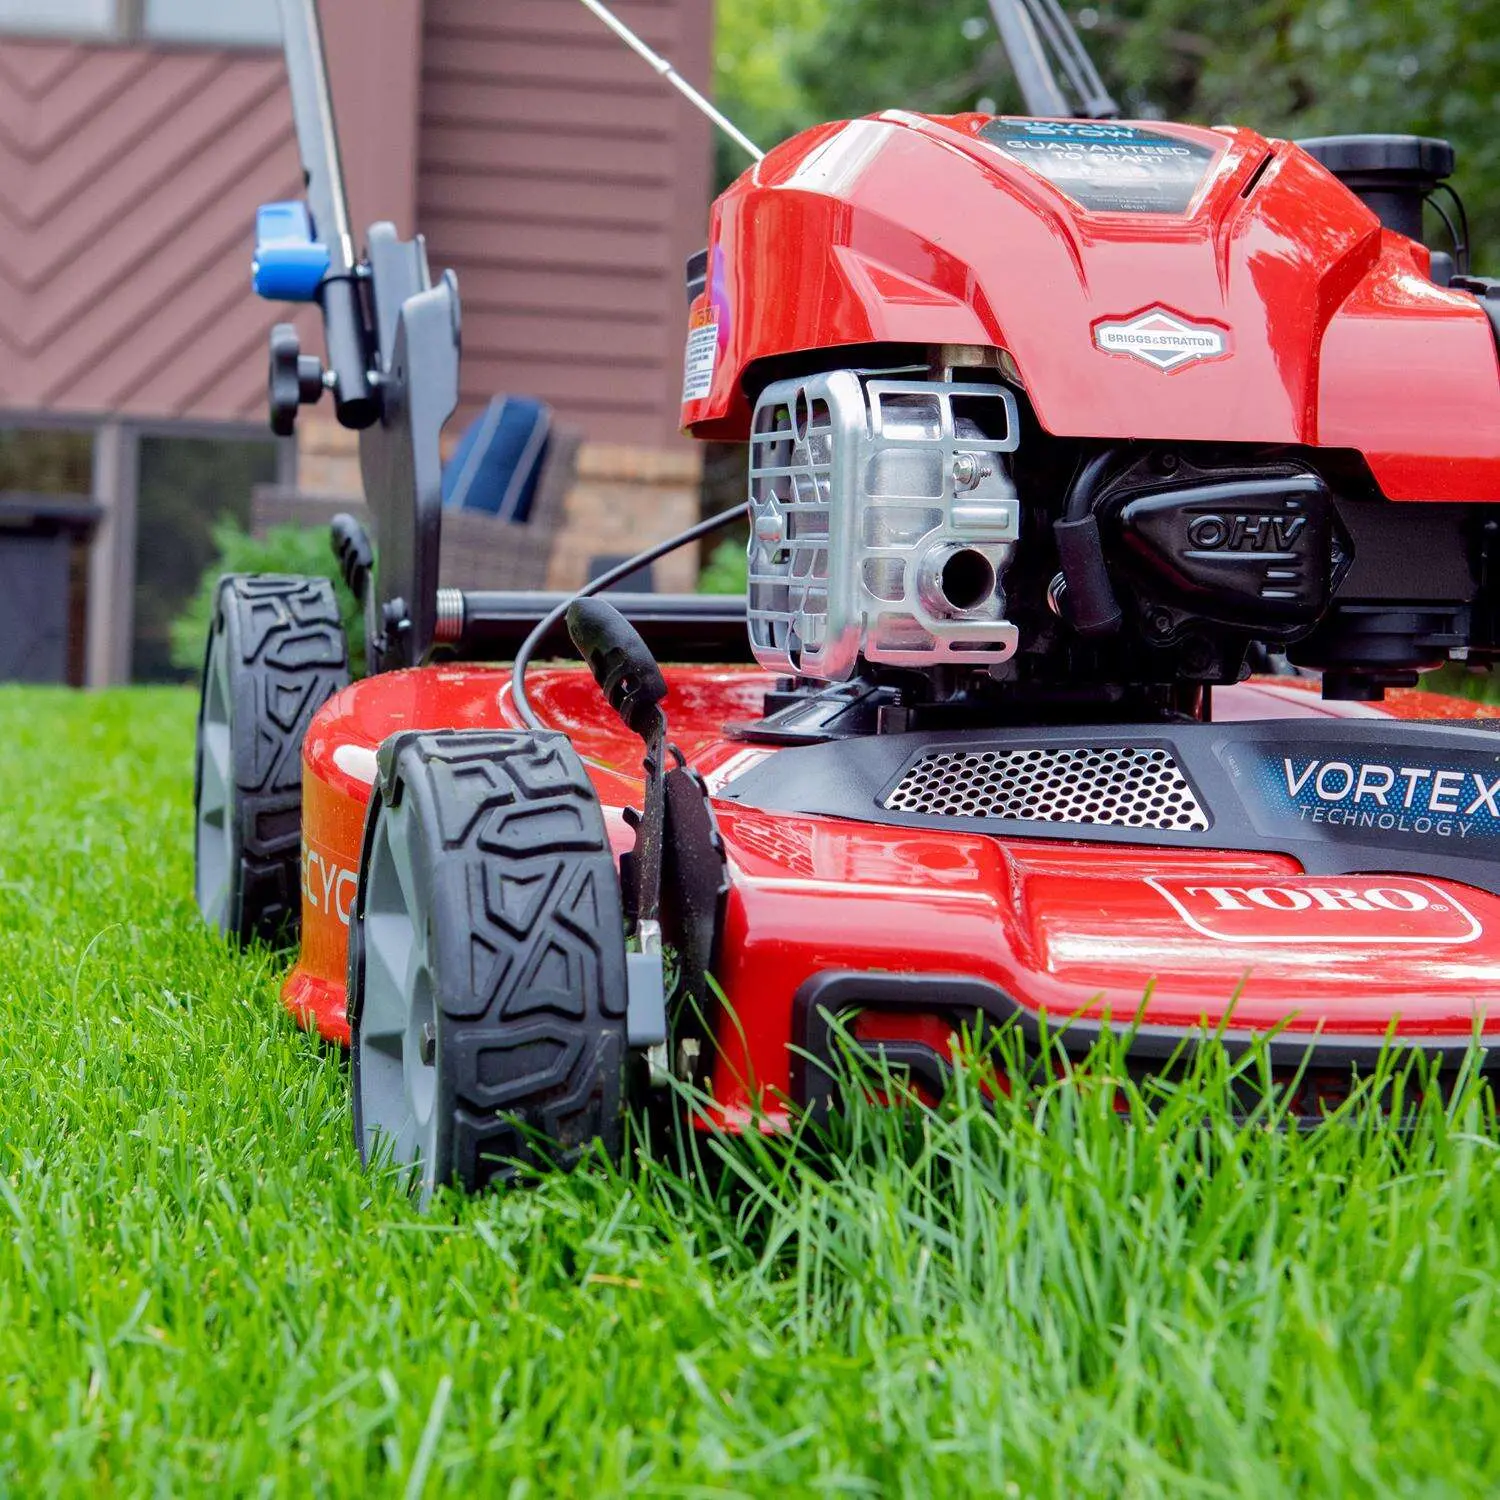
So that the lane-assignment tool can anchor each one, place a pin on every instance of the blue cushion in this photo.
(499, 459)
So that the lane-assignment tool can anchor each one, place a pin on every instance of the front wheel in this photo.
(275, 655)
(487, 970)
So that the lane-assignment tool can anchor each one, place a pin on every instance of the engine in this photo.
(883, 520)
(902, 524)
(1056, 418)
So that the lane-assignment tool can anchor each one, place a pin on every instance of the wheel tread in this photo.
(528, 932)
(288, 657)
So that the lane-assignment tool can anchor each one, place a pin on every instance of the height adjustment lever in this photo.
(296, 380)
(632, 682)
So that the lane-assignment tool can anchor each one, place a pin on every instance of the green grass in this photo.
(200, 1291)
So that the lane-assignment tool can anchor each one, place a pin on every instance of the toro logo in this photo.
(1159, 337)
(1368, 910)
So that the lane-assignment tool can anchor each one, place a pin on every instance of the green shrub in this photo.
(302, 550)
(1480, 685)
(727, 571)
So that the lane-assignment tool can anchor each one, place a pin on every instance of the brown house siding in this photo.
(566, 185)
(547, 165)
(125, 179)
(129, 179)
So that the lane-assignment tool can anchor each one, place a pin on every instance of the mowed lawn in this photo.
(200, 1291)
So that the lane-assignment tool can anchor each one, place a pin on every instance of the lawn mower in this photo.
(1110, 486)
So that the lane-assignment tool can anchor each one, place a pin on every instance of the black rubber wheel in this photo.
(487, 973)
(276, 654)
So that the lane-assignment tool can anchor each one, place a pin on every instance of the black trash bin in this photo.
(38, 534)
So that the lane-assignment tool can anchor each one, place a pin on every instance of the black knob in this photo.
(351, 546)
(296, 379)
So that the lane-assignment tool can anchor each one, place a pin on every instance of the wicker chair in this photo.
(478, 551)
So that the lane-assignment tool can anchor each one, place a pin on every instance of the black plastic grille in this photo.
(1124, 786)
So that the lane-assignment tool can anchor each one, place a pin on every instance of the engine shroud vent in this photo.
(1120, 785)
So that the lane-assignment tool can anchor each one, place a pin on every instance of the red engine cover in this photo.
(1280, 309)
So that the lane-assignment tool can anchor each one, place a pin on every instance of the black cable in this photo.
(1461, 239)
(1052, 35)
(549, 622)
(1452, 228)
(1094, 101)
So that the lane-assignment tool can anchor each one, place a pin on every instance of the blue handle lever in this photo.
(289, 263)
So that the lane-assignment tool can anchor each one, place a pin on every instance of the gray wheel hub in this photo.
(216, 811)
(397, 1042)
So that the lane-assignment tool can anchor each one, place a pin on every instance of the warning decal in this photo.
(699, 364)
(1107, 168)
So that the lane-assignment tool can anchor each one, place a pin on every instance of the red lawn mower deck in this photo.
(924, 925)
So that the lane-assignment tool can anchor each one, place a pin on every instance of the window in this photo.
(58, 15)
(229, 21)
(44, 558)
(254, 23)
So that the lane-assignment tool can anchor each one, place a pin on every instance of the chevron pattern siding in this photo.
(129, 180)
(546, 164)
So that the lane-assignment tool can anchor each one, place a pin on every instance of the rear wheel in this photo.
(276, 654)
(487, 971)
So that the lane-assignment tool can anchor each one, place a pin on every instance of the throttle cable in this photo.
(549, 621)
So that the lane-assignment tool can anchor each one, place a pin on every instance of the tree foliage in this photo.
(1285, 67)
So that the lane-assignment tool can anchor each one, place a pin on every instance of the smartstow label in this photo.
(1107, 168)
(1365, 910)
(1161, 338)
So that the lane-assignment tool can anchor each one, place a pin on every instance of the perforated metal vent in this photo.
(1122, 785)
